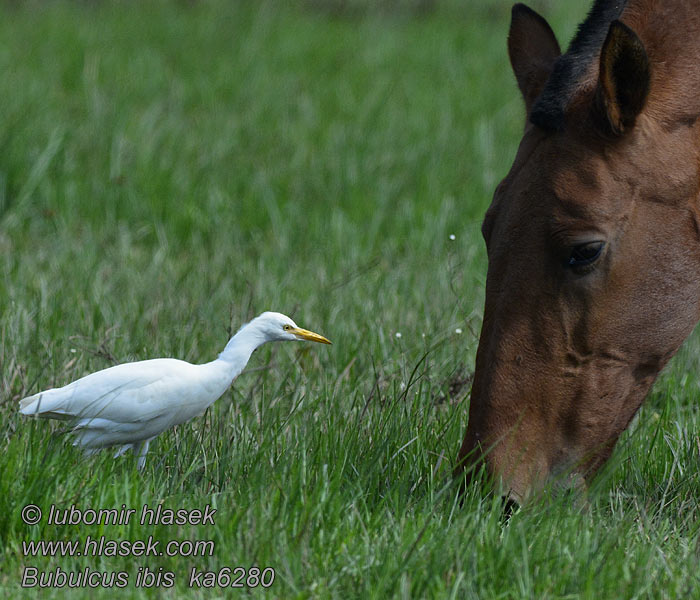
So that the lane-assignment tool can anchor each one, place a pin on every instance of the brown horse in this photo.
(593, 241)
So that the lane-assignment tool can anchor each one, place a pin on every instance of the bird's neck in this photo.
(239, 348)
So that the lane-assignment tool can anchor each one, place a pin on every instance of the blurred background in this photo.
(198, 162)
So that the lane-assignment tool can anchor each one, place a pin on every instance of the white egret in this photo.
(130, 404)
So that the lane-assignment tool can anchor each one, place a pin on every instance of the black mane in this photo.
(548, 110)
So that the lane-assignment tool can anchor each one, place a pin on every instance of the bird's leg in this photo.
(142, 449)
(122, 449)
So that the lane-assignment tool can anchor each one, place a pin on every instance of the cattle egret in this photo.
(130, 404)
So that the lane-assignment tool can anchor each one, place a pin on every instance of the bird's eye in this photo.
(585, 254)
(286, 327)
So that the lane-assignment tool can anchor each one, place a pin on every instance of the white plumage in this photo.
(129, 404)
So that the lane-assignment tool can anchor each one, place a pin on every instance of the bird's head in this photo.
(280, 328)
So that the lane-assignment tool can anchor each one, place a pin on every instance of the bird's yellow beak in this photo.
(305, 334)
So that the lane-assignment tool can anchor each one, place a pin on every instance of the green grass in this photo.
(169, 170)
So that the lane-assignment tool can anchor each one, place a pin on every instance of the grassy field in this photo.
(168, 171)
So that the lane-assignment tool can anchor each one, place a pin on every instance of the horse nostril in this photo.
(509, 507)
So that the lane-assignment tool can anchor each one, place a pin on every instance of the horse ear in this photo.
(623, 84)
(533, 48)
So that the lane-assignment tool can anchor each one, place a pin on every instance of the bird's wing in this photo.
(127, 393)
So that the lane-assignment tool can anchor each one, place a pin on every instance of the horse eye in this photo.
(585, 254)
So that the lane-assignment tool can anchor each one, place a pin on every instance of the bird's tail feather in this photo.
(39, 405)
(26, 403)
